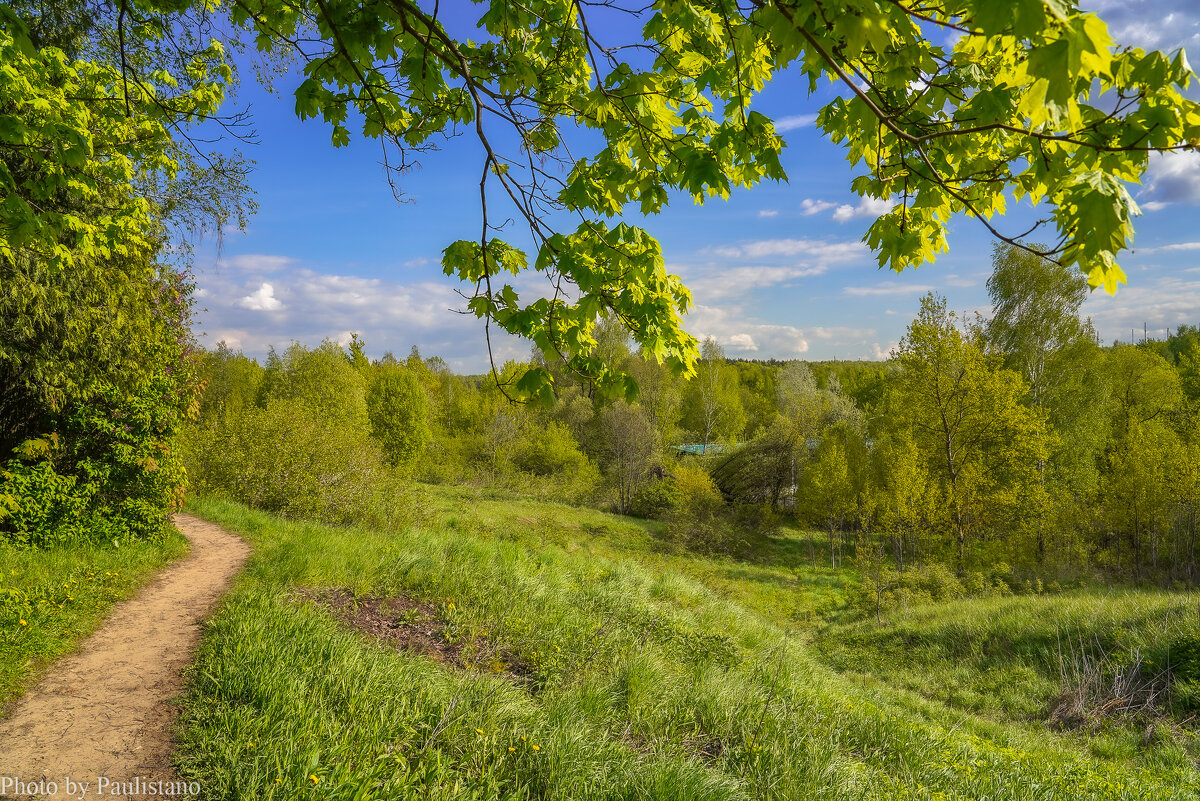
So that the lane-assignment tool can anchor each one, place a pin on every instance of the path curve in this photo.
(105, 711)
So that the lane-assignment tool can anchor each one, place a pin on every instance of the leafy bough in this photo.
(588, 110)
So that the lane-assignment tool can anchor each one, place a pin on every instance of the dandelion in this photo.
(279, 780)
(479, 731)
(522, 739)
(312, 777)
(510, 748)
(536, 747)
(23, 623)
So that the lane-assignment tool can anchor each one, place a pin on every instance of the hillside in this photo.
(497, 648)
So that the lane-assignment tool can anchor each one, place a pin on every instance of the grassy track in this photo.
(651, 675)
(51, 599)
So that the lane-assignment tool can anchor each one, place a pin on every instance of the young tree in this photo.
(660, 394)
(982, 445)
(829, 492)
(322, 379)
(809, 408)
(1143, 386)
(1036, 326)
(904, 495)
(712, 406)
(629, 447)
(397, 410)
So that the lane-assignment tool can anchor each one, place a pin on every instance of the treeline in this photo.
(1015, 441)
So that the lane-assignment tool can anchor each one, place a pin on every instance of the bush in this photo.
(397, 410)
(286, 459)
(696, 519)
(654, 501)
(40, 507)
(107, 474)
(549, 449)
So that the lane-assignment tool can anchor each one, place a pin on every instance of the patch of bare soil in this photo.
(105, 712)
(416, 627)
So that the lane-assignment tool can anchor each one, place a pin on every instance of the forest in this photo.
(1013, 449)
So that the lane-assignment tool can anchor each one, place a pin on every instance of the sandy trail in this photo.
(105, 712)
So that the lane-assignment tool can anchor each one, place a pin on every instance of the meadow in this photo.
(583, 655)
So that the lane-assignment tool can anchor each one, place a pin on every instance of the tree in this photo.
(807, 407)
(1143, 388)
(903, 494)
(1036, 326)
(322, 379)
(712, 405)
(1031, 100)
(397, 410)
(230, 385)
(101, 186)
(660, 394)
(980, 443)
(829, 491)
(629, 449)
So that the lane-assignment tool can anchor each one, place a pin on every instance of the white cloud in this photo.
(844, 212)
(1156, 302)
(887, 288)
(1178, 246)
(818, 250)
(808, 206)
(884, 351)
(784, 124)
(308, 307)
(262, 299)
(955, 280)
(715, 282)
(256, 263)
(769, 213)
(1171, 178)
(743, 342)
(867, 207)
(1150, 24)
(744, 335)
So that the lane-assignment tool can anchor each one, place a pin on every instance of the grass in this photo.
(51, 599)
(653, 675)
(1005, 657)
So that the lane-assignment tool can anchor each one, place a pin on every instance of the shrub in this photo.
(697, 519)
(397, 410)
(107, 474)
(549, 449)
(40, 507)
(654, 501)
(286, 459)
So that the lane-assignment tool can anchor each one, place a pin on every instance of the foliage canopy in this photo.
(952, 108)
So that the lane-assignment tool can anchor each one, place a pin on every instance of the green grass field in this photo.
(51, 599)
(644, 673)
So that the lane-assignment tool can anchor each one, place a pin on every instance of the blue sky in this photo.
(777, 271)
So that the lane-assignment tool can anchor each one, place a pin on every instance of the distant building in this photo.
(712, 447)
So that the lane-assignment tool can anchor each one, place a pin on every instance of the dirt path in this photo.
(105, 712)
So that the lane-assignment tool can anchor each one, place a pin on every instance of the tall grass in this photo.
(645, 683)
(1006, 656)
